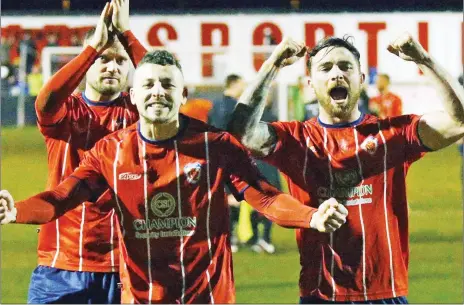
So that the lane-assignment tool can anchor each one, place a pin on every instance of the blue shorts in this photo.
(50, 285)
(313, 300)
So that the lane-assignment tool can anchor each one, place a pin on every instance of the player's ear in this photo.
(363, 78)
(184, 95)
(132, 95)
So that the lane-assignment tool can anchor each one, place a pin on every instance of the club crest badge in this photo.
(370, 145)
(163, 204)
(193, 172)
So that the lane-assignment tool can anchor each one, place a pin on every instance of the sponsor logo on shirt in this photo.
(129, 176)
(349, 177)
(347, 195)
(163, 205)
(370, 145)
(193, 172)
(171, 226)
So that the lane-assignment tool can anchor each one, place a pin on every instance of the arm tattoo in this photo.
(245, 123)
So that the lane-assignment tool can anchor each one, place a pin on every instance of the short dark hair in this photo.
(330, 43)
(231, 78)
(160, 57)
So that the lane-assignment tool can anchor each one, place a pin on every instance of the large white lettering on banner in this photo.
(200, 41)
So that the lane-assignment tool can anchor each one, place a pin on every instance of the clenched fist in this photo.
(330, 216)
(288, 51)
(7, 208)
(408, 48)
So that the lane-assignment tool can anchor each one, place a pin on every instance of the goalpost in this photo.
(55, 57)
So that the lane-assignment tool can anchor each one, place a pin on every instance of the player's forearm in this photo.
(449, 90)
(281, 208)
(48, 206)
(133, 47)
(64, 82)
(245, 122)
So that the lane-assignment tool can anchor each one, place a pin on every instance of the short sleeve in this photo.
(407, 127)
(289, 135)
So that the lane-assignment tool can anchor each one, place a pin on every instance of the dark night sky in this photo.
(183, 6)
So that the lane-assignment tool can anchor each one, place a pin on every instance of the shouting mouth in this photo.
(338, 94)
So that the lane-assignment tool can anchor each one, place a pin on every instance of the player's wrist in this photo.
(95, 45)
(272, 63)
(312, 221)
(121, 29)
(14, 213)
(425, 60)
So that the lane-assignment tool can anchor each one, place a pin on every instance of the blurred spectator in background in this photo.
(5, 47)
(219, 116)
(363, 102)
(260, 242)
(28, 44)
(300, 96)
(35, 81)
(197, 108)
(386, 104)
(75, 41)
(222, 109)
(52, 40)
(311, 109)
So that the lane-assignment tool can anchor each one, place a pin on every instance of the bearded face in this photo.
(337, 81)
(108, 74)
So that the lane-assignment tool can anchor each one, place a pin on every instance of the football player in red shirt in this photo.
(386, 104)
(167, 175)
(359, 159)
(78, 252)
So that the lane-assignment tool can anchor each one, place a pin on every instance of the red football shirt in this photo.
(172, 212)
(84, 239)
(387, 105)
(364, 166)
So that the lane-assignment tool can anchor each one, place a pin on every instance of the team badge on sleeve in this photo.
(370, 145)
(193, 172)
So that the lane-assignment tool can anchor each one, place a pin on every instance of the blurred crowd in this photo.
(28, 46)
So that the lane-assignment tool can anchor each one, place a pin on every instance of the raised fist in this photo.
(288, 51)
(7, 208)
(407, 48)
(330, 216)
